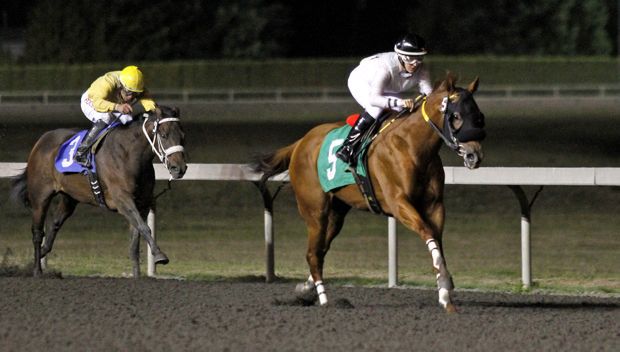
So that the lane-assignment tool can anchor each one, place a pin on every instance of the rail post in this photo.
(150, 262)
(392, 253)
(526, 209)
(268, 229)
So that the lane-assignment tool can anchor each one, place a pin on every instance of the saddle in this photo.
(65, 163)
(361, 154)
(334, 173)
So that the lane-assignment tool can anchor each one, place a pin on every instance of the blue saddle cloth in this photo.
(64, 162)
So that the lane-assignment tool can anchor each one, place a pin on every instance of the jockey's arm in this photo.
(377, 86)
(147, 102)
(100, 91)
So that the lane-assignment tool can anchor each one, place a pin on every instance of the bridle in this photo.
(447, 134)
(157, 144)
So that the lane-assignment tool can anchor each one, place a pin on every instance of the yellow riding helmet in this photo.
(131, 78)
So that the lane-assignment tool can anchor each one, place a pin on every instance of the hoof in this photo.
(451, 309)
(306, 292)
(161, 258)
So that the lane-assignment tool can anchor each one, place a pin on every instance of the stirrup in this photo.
(83, 159)
(345, 154)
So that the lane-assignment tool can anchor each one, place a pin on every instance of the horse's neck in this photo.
(133, 140)
(420, 136)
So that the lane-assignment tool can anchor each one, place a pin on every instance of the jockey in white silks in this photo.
(117, 91)
(381, 82)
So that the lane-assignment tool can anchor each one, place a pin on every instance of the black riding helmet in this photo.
(410, 45)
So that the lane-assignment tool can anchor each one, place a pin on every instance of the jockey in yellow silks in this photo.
(381, 82)
(121, 92)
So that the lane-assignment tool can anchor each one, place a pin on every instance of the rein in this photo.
(157, 145)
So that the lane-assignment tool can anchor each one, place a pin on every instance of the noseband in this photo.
(156, 143)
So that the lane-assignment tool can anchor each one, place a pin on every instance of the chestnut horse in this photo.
(126, 176)
(406, 173)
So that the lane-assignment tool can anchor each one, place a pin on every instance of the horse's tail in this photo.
(274, 163)
(19, 189)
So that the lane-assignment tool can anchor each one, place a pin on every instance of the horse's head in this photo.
(463, 122)
(165, 134)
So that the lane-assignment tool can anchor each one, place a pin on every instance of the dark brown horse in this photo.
(126, 176)
(406, 173)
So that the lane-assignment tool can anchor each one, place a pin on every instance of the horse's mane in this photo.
(169, 111)
(162, 111)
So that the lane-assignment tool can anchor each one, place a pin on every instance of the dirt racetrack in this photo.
(100, 314)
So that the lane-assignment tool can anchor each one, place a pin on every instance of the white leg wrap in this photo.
(434, 249)
(320, 290)
(444, 297)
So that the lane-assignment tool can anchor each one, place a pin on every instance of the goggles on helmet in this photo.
(411, 59)
(128, 92)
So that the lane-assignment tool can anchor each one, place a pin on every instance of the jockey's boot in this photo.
(348, 148)
(81, 155)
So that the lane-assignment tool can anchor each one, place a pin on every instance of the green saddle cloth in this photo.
(331, 169)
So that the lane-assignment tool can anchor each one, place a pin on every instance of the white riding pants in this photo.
(94, 115)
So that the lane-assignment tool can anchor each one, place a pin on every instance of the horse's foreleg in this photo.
(134, 251)
(128, 209)
(445, 285)
(65, 209)
(430, 233)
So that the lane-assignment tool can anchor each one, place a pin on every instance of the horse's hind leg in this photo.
(64, 210)
(39, 210)
(321, 232)
(134, 251)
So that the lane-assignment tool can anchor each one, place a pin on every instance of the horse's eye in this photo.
(456, 120)
(164, 135)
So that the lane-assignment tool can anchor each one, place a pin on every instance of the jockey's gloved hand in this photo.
(408, 104)
(125, 119)
(123, 108)
(418, 101)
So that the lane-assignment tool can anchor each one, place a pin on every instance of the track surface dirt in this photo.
(111, 314)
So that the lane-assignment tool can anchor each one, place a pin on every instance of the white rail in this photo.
(311, 94)
(513, 177)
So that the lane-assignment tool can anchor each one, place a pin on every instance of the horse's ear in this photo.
(473, 86)
(448, 83)
(176, 112)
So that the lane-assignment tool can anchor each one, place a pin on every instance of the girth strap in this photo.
(93, 180)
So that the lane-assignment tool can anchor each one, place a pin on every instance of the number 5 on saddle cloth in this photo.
(334, 173)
